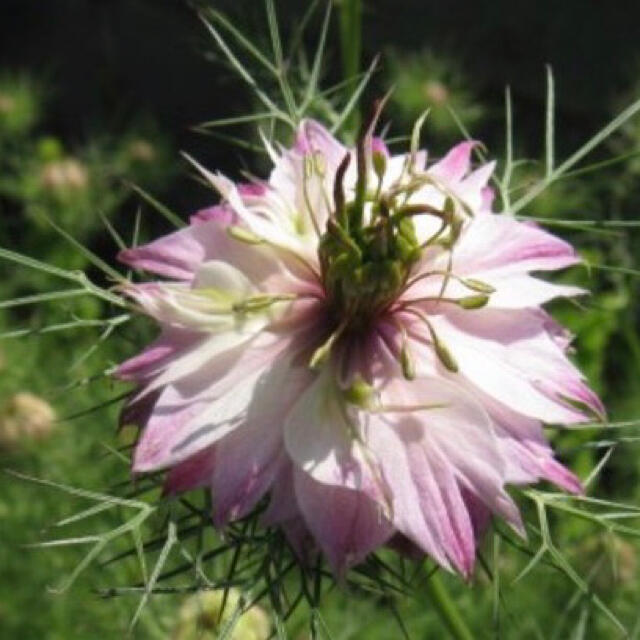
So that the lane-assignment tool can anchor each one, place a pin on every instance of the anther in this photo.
(477, 285)
(360, 393)
(473, 302)
(322, 353)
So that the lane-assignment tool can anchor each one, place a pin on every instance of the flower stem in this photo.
(447, 610)
(351, 45)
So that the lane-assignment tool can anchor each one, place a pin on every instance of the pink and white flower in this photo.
(358, 338)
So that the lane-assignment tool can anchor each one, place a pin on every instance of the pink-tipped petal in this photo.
(525, 292)
(250, 458)
(477, 180)
(174, 256)
(455, 165)
(378, 146)
(180, 254)
(193, 473)
(494, 352)
(236, 489)
(157, 356)
(137, 411)
(313, 138)
(487, 195)
(206, 394)
(282, 498)
(530, 462)
(167, 426)
(219, 213)
(480, 515)
(248, 189)
(346, 523)
(499, 242)
(434, 442)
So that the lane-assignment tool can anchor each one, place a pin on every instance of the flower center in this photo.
(365, 266)
(370, 245)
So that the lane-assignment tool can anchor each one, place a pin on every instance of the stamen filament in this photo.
(441, 350)
(309, 170)
(263, 301)
(322, 353)
(466, 302)
(401, 408)
(406, 360)
(470, 283)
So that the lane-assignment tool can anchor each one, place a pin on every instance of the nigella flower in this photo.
(358, 341)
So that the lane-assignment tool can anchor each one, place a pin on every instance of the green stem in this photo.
(351, 47)
(447, 610)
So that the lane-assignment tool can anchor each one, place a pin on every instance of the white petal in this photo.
(224, 278)
(322, 437)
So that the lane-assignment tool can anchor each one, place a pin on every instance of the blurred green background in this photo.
(98, 94)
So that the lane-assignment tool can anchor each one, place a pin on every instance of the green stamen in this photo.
(369, 247)
(261, 302)
(243, 235)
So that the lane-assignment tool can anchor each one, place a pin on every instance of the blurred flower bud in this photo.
(425, 80)
(25, 416)
(200, 618)
(436, 93)
(20, 100)
(7, 104)
(141, 150)
(64, 175)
